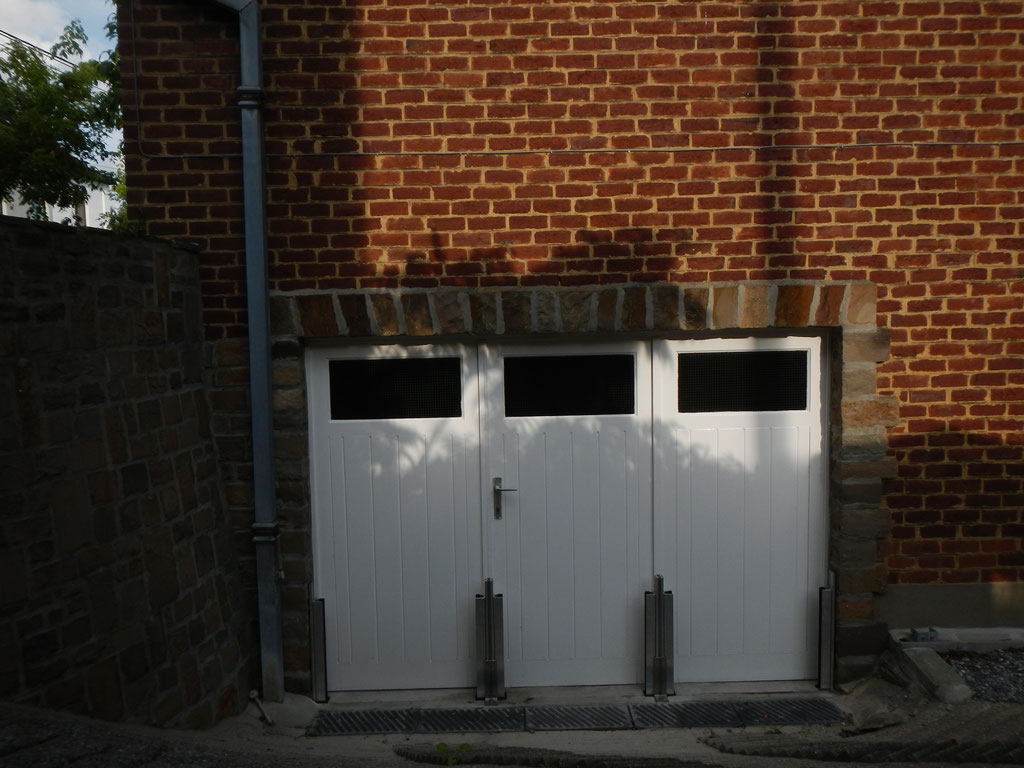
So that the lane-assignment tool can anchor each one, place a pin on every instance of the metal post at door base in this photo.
(659, 671)
(827, 633)
(318, 650)
(490, 645)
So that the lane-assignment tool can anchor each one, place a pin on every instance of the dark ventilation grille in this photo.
(396, 388)
(681, 714)
(569, 385)
(743, 381)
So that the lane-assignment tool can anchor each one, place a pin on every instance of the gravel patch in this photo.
(996, 676)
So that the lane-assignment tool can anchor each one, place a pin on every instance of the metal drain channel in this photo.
(595, 718)
(687, 714)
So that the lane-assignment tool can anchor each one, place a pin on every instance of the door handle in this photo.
(498, 490)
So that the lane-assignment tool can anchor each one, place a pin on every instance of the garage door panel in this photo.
(587, 568)
(787, 515)
(398, 555)
(757, 590)
(569, 547)
(740, 501)
(404, 530)
(611, 637)
(557, 511)
(354, 552)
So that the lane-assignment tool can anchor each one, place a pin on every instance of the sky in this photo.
(41, 21)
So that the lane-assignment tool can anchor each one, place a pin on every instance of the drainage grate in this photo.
(334, 721)
(685, 714)
(599, 718)
(690, 714)
(789, 712)
(488, 719)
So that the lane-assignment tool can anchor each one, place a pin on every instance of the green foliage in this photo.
(54, 122)
(443, 750)
(117, 220)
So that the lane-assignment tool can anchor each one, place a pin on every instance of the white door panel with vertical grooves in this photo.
(397, 537)
(571, 553)
(728, 506)
(739, 525)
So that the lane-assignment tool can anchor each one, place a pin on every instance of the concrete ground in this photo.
(885, 719)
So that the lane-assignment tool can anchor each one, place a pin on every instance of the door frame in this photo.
(474, 387)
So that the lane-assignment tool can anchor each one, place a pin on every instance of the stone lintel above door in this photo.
(664, 307)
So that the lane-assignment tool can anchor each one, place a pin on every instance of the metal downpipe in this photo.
(265, 526)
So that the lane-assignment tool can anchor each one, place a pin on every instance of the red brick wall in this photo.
(419, 144)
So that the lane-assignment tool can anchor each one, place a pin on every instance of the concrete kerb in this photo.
(916, 652)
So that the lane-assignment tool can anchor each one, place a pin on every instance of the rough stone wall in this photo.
(535, 145)
(120, 595)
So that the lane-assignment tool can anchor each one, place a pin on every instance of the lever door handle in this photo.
(498, 490)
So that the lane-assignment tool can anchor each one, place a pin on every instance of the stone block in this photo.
(866, 346)
(161, 567)
(72, 518)
(289, 399)
(449, 309)
(483, 312)
(385, 313)
(695, 309)
(548, 320)
(607, 309)
(355, 314)
(725, 302)
(861, 305)
(287, 372)
(516, 310)
(318, 318)
(576, 309)
(9, 651)
(867, 467)
(757, 309)
(232, 352)
(852, 581)
(285, 348)
(103, 690)
(859, 380)
(855, 608)
(13, 576)
(665, 302)
(284, 316)
(103, 486)
(860, 443)
(134, 479)
(870, 521)
(633, 315)
(417, 314)
(852, 668)
(793, 306)
(168, 707)
(860, 490)
(856, 553)
(878, 411)
(925, 667)
(861, 638)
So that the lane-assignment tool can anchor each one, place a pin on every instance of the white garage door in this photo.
(610, 487)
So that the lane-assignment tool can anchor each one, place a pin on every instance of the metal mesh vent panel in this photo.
(742, 381)
(569, 385)
(404, 388)
(571, 718)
